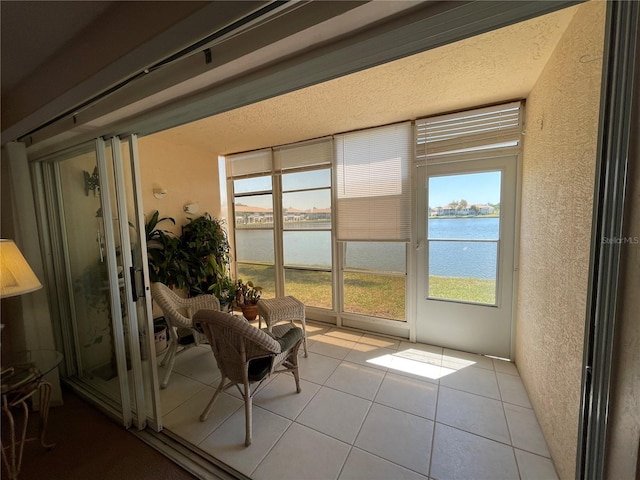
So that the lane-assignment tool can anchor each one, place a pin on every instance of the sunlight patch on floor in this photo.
(421, 363)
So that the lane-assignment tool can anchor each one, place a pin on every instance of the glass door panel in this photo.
(463, 237)
(91, 271)
(466, 255)
(145, 392)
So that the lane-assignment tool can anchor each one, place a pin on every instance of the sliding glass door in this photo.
(103, 299)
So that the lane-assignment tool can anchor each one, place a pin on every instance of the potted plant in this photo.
(224, 288)
(247, 296)
(164, 253)
(206, 256)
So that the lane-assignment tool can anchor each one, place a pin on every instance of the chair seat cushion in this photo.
(259, 368)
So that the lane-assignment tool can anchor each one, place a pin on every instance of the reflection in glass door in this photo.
(91, 263)
(465, 259)
(101, 286)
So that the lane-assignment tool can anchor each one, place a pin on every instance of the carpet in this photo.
(92, 446)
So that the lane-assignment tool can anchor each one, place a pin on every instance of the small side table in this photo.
(20, 382)
(283, 309)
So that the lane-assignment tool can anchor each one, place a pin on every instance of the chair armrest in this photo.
(289, 339)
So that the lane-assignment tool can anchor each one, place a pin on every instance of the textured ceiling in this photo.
(497, 66)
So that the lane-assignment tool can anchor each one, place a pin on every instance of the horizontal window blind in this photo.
(373, 185)
(249, 163)
(304, 154)
(479, 129)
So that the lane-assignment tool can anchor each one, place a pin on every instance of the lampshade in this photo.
(16, 276)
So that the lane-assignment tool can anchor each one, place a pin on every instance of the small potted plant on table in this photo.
(247, 296)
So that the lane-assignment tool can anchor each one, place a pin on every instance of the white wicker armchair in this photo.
(247, 355)
(178, 313)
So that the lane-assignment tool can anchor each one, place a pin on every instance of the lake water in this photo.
(460, 258)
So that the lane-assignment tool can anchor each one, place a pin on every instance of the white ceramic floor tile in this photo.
(473, 380)
(472, 413)
(356, 379)
(303, 453)
(362, 465)
(185, 419)
(392, 436)
(436, 351)
(226, 443)
(344, 334)
(504, 366)
(336, 414)
(454, 358)
(415, 363)
(409, 395)
(397, 436)
(280, 396)
(198, 363)
(512, 390)
(317, 368)
(378, 341)
(331, 346)
(178, 391)
(315, 329)
(462, 455)
(534, 467)
(525, 431)
(369, 356)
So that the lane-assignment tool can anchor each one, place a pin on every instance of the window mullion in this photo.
(278, 241)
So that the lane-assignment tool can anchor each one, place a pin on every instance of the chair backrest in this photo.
(234, 341)
(178, 310)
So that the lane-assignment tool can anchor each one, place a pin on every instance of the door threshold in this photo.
(198, 464)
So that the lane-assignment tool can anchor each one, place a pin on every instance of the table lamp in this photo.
(16, 276)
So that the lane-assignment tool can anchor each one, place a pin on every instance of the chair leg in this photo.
(166, 356)
(172, 360)
(207, 409)
(293, 360)
(247, 413)
(304, 333)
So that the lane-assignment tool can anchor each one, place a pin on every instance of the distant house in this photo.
(246, 214)
(484, 209)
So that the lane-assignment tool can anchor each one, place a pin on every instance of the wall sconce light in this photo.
(159, 192)
(191, 208)
(91, 182)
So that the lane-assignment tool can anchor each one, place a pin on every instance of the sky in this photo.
(474, 188)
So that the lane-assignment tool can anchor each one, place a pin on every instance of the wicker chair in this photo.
(178, 313)
(247, 355)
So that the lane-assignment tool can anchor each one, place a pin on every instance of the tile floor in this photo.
(370, 408)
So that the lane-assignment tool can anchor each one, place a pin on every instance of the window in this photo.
(306, 221)
(307, 237)
(373, 191)
(253, 219)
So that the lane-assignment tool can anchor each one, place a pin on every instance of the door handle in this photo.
(136, 281)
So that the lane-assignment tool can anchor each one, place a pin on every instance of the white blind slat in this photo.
(304, 154)
(249, 163)
(465, 131)
(373, 187)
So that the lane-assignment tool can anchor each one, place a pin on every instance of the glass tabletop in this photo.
(22, 368)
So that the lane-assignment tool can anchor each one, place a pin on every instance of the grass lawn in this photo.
(466, 289)
(373, 295)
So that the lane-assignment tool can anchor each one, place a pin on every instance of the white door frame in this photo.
(477, 328)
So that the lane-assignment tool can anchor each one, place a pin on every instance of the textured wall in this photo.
(189, 175)
(557, 192)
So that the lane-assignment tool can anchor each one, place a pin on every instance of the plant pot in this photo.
(250, 312)
(160, 336)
